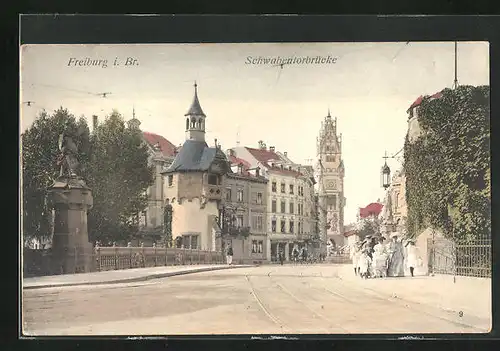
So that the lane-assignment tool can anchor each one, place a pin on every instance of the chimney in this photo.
(94, 122)
(271, 148)
(257, 171)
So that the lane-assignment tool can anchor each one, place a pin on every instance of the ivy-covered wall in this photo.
(448, 167)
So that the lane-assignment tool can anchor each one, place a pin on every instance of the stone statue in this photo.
(69, 151)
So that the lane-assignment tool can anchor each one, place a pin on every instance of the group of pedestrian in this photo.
(373, 258)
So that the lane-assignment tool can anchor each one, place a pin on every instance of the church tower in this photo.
(195, 119)
(331, 174)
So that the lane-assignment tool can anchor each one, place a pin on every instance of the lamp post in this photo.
(386, 173)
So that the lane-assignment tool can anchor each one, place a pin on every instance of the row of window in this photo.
(257, 223)
(190, 242)
(213, 179)
(257, 246)
(300, 207)
(300, 189)
(240, 197)
(283, 227)
(330, 158)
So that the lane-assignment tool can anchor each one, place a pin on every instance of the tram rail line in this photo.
(302, 303)
(262, 306)
(344, 298)
(406, 304)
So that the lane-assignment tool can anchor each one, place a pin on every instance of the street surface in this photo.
(302, 299)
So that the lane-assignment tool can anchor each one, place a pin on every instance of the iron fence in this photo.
(464, 258)
(39, 262)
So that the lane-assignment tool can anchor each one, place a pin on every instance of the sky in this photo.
(368, 88)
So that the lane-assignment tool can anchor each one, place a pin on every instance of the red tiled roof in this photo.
(167, 148)
(283, 171)
(263, 155)
(236, 161)
(372, 209)
(421, 97)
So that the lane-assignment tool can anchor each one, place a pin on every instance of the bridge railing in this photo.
(115, 258)
(40, 262)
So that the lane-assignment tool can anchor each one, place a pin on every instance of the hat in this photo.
(394, 236)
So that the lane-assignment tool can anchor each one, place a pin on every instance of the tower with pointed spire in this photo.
(195, 119)
(134, 123)
(331, 174)
(194, 185)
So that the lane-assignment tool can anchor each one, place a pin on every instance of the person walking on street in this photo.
(295, 254)
(412, 256)
(304, 255)
(396, 258)
(229, 255)
(281, 256)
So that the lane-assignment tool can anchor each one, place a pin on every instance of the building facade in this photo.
(331, 178)
(291, 220)
(395, 211)
(245, 200)
(194, 186)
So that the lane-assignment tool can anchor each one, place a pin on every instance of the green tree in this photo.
(40, 166)
(119, 175)
(113, 161)
(448, 167)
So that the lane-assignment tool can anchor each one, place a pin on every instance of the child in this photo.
(364, 263)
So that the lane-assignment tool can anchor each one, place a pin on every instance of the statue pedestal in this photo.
(71, 250)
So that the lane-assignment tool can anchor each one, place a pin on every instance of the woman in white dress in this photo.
(355, 253)
(380, 259)
(412, 257)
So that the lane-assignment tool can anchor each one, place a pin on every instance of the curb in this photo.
(138, 279)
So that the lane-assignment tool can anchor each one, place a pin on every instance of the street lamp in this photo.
(386, 176)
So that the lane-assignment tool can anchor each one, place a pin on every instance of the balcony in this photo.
(212, 192)
(237, 231)
(304, 236)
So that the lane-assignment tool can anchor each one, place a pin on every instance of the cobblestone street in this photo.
(308, 299)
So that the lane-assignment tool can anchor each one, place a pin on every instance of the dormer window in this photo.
(240, 168)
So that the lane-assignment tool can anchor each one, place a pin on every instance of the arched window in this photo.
(187, 123)
(199, 123)
(193, 122)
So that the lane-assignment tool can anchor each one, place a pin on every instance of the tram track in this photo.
(262, 306)
(421, 309)
(304, 304)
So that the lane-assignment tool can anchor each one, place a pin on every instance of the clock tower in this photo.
(331, 178)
